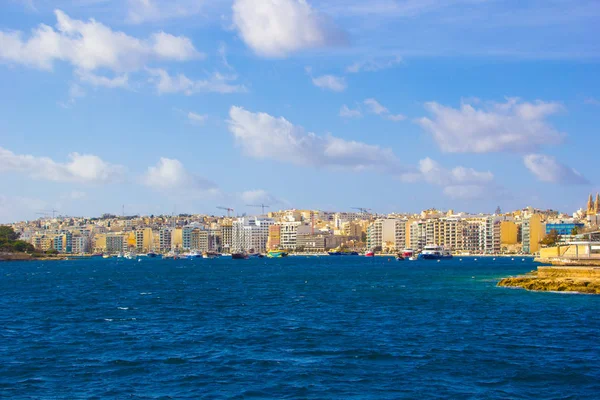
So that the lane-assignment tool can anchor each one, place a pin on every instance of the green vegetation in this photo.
(551, 238)
(9, 241)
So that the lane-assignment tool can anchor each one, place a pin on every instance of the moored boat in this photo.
(240, 256)
(370, 254)
(277, 254)
(211, 254)
(435, 253)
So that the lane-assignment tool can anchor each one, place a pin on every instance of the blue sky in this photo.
(397, 106)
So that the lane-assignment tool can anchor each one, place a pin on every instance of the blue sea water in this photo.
(310, 328)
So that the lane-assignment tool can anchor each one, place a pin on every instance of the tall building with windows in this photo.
(116, 243)
(251, 233)
(533, 231)
(165, 240)
(199, 239)
(387, 234)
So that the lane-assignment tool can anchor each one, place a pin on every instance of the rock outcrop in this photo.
(558, 279)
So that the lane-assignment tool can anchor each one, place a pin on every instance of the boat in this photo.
(106, 256)
(435, 252)
(370, 254)
(407, 253)
(194, 254)
(413, 258)
(130, 256)
(342, 252)
(120, 255)
(152, 254)
(211, 254)
(256, 255)
(400, 257)
(240, 256)
(277, 254)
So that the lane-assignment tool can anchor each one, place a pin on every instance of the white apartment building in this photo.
(388, 234)
(165, 240)
(251, 233)
(289, 234)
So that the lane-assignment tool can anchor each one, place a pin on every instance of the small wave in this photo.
(123, 308)
(108, 319)
(145, 293)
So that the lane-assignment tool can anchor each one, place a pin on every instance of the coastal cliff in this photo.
(579, 279)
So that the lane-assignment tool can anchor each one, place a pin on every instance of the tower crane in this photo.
(228, 209)
(261, 206)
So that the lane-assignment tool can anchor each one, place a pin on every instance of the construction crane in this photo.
(261, 206)
(362, 210)
(53, 211)
(229, 210)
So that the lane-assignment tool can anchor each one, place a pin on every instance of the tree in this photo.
(551, 238)
(8, 234)
(575, 231)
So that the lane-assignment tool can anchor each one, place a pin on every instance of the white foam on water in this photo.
(123, 308)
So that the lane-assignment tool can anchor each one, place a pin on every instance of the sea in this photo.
(291, 328)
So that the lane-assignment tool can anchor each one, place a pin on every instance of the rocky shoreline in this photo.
(28, 257)
(577, 279)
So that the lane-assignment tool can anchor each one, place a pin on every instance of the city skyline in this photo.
(185, 106)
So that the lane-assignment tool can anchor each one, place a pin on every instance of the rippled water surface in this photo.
(319, 328)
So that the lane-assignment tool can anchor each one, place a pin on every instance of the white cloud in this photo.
(120, 81)
(157, 10)
(376, 108)
(263, 136)
(170, 175)
(90, 46)
(375, 64)
(259, 196)
(180, 83)
(222, 50)
(331, 82)
(547, 169)
(197, 118)
(82, 168)
(346, 112)
(459, 182)
(510, 126)
(276, 28)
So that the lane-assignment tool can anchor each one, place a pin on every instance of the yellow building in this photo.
(177, 238)
(144, 240)
(534, 231)
(508, 233)
(100, 242)
(274, 239)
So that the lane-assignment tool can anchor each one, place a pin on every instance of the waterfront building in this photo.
(387, 234)
(80, 245)
(165, 240)
(115, 243)
(58, 243)
(144, 240)
(199, 240)
(226, 236)
(564, 228)
(274, 239)
(251, 233)
(509, 233)
(533, 232)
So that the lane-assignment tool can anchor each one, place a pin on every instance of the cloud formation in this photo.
(458, 183)
(277, 28)
(330, 82)
(374, 64)
(263, 136)
(376, 108)
(547, 169)
(170, 175)
(217, 83)
(81, 168)
(91, 46)
(510, 126)
(346, 112)
(259, 196)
